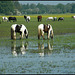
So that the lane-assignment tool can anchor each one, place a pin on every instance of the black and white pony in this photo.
(61, 18)
(12, 18)
(27, 18)
(4, 19)
(16, 28)
(45, 29)
(55, 18)
(73, 17)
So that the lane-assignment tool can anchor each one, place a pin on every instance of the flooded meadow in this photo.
(33, 56)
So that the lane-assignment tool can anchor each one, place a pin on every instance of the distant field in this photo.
(47, 15)
(59, 27)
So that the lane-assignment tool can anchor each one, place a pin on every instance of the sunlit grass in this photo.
(45, 15)
(59, 27)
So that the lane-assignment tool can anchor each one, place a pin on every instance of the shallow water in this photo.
(31, 56)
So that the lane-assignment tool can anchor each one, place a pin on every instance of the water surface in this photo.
(35, 56)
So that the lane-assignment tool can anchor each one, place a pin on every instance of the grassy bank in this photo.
(59, 27)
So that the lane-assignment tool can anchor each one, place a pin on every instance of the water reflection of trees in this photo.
(19, 49)
(45, 48)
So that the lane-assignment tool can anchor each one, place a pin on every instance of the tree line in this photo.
(15, 8)
(10, 7)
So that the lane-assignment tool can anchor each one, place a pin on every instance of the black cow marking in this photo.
(12, 18)
(25, 31)
(17, 29)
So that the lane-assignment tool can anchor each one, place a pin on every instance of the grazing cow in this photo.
(4, 19)
(16, 28)
(49, 18)
(27, 18)
(12, 18)
(45, 29)
(55, 18)
(60, 18)
(73, 17)
(39, 18)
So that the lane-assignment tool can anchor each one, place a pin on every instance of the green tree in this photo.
(6, 7)
(17, 5)
(68, 8)
(32, 6)
(61, 7)
(73, 8)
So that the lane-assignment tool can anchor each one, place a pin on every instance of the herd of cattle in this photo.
(27, 18)
(42, 28)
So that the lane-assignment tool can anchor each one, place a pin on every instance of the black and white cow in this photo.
(27, 18)
(16, 28)
(61, 18)
(12, 18)
(45, 29)
(4, 19)
(55, 18)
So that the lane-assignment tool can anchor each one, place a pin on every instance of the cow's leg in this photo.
(39, 33)
(22, 35)
(51, 34)
(12, 32)
(14, 35)
(26, 20)
(48, 34)
(38, 19)
(43, 35)
(38, 36)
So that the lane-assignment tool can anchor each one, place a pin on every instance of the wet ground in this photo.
(31, 56)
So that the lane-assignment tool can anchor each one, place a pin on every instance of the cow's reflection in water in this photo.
(45, 48)
(19, 49)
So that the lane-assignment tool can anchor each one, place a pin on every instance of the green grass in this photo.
(59, 27)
